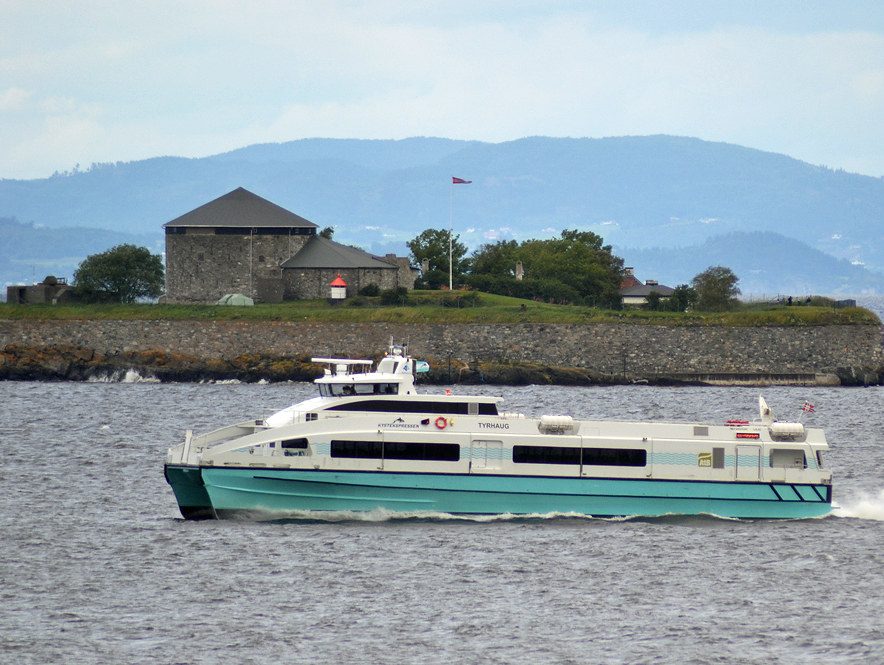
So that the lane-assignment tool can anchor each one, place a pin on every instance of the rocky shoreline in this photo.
(20, 362)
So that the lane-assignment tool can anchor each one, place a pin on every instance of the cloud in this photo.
(13, 99)
(110, 82)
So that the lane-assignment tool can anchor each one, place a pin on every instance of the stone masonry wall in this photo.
(603, 348)
(202, 267)
(314, 282)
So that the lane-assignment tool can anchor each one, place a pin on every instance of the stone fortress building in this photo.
(242, 243)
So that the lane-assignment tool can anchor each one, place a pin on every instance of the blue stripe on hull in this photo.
(275, 491)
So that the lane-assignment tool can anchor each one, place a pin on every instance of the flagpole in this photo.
(450, 227)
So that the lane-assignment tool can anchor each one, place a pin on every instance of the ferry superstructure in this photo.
(369, 441)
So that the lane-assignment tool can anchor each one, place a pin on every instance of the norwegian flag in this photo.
(807, 407)
(460, 181)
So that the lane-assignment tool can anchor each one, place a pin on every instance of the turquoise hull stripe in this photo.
(279, 491)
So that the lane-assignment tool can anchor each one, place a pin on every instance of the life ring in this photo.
(440, 423)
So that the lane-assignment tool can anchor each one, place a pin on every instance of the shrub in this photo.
(546, 290)
(370, 290)
(396, 297)
(468, 299)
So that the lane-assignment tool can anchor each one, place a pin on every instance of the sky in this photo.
(106, 81)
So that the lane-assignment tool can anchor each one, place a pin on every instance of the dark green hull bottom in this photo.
(190, 492)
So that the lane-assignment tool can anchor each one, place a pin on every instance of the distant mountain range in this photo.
(670, 205)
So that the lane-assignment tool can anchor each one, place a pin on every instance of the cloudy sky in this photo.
(105, 81)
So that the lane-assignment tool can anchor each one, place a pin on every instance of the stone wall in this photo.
(202, 266)
(314, 282)
(623, 350)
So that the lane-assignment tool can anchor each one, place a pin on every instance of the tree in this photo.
(122, 274)
(682, 299)
(327, 232)
(716, 289)
(653, 301)
(577, 260)
(496, 259)
(432, 245)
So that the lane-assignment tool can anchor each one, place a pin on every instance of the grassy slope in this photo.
(493, 309)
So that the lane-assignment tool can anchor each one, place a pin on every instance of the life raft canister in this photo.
(440, 423)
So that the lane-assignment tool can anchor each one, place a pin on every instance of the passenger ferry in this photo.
(369, 441)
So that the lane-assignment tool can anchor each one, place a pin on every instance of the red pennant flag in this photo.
(460, 181)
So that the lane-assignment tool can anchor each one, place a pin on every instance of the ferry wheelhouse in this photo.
(369, 441)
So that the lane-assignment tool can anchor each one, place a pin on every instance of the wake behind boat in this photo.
(370, 441)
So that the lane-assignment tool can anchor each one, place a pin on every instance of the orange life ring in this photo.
(441, 423)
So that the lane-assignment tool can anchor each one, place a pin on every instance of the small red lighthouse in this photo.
(338, 289)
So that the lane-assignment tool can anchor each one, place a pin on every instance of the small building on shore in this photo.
(51, 291)
(242, 243)
(634, 293)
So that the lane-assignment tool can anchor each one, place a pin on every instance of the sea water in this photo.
(97, 566)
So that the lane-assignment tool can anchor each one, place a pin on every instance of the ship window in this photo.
(413, 406)
(589, 456)
(401, 450)
(311, 416)
(364, 388)
(431, 452)
(786, 458)
(718, 458)
(545, 455)
(819, 458)
(615, 456)
(294, 443)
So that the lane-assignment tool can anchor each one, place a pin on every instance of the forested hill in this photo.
(636, 192)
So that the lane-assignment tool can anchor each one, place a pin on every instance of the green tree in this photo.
(432, 245)
(122, 274)
(716, 289)
(327, 232)
(578, 259)
(578, 262)
(497, 258)
(682, 299)
(653, 301)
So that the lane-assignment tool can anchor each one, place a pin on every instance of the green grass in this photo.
(426, 308)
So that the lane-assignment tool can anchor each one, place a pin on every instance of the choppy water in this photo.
(97, 566)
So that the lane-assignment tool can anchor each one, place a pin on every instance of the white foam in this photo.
(129, 376)
(864, 507)
(382, 515)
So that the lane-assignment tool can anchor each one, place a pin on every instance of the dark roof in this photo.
(321, 252)
(645, 290)
(241, 208)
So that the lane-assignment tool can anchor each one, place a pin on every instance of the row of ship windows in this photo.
(450, 452)
(411, 406)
